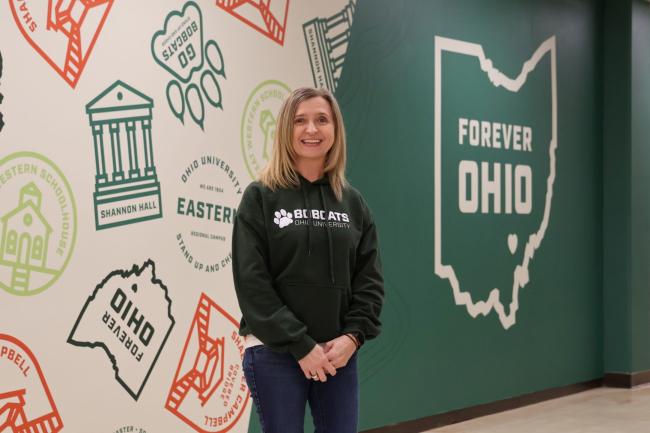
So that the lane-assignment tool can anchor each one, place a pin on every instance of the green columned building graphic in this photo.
(121, 116)
(327, 43)
(25, 238)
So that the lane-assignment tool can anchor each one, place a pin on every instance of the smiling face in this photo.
(313, 131)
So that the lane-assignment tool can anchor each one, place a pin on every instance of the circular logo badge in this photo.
(205, 210)
(38, 218)
(24, 391)
(209, 392)
(258, 124)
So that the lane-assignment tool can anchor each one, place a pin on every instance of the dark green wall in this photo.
(640, 193)
(432, 356)
(616, 185)
(626, 172)
(585, 310)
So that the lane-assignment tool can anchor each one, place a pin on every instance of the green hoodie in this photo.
(306, 266)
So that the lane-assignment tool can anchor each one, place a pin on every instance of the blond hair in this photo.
(280, 171)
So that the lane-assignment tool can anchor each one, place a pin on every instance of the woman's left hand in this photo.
(340, 350)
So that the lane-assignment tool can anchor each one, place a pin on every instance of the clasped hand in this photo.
(325, 359)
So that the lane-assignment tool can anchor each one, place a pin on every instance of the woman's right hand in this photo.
(316, 366)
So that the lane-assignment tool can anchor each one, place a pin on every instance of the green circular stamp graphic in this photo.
(258, 124)
(206, 208)
(38, 223)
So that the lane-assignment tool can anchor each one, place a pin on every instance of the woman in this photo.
(307, 273)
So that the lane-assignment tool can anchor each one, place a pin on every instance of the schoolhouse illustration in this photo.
(121, 116)
(25, 238)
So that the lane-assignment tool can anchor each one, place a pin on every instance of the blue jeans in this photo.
(281, 391)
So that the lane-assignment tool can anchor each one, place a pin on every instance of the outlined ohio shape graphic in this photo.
(209, 391)
(62, 32)
(496, 194)
(268, 17)
(26, 403)
(129, 316)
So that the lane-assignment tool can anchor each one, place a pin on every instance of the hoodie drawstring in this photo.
(306, 200)
(330, 245)
(329, 236)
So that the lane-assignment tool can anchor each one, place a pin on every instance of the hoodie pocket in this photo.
(319, 306)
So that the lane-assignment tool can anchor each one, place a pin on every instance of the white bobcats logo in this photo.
(283, 218)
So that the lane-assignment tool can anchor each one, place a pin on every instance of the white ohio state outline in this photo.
(498, 79)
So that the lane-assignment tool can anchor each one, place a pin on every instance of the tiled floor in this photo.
(602, 410)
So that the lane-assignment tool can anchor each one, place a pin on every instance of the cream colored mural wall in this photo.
(130, 131)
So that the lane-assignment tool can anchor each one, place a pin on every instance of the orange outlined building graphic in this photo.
(208, 360)
(26, 404)
(63, 32)
(268, 17)
(209, 391)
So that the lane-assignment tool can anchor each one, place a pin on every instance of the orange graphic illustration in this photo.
(63, 32)
(268, 17)
(26, 405)
(209, 390)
